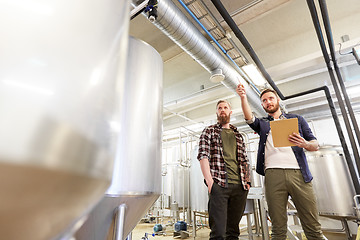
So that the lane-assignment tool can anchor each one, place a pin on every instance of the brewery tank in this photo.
(136, 182)
(332, 183)
(62, 65)
(198, 190)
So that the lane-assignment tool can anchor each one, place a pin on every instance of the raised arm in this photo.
(244, 102)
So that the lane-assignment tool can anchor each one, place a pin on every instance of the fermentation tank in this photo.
(332, 183)
(61, 70)
(136, 182)
(198, 190)
(176, 177)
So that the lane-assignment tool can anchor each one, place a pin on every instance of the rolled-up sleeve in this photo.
(204, 145)
(250, 121)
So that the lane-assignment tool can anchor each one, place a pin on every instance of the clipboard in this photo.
(281, 129)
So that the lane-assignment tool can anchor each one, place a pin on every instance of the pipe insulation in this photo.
(173, 23)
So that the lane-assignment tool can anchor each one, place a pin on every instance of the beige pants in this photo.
(279, 185)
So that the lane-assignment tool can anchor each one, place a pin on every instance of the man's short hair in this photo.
(222, 101)
(268, 90)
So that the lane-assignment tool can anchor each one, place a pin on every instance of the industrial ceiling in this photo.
(282, 34)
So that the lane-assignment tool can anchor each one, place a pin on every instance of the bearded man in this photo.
(226, 171)
(285, 169)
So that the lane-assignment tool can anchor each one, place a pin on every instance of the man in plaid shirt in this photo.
(225, 167)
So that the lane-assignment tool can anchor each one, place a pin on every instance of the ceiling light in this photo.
(255, 76)
(217, 76)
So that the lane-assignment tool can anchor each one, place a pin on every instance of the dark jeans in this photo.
(226, 207)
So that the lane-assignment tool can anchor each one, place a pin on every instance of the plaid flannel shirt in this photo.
(210, 147)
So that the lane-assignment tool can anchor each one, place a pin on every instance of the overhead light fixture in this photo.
(217, 76)
(255, 76)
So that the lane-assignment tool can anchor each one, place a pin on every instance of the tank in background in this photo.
(332, 182)
(62, 65)
(198, 190)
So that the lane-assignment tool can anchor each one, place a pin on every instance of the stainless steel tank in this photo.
(176, 177)
(332, 183)
(179, 185)
(198, 191)
(176, 184)
(59, 66)
(136, 179)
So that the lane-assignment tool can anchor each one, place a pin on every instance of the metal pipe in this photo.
(119, 222)
(317, 26)
(223, 12)
(201, 2)
(218, 44)
(172, 22)
(138, 9)
(184, 181)
(326, 20)
(228, 19)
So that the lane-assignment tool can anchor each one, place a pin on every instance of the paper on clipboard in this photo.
(281, 130)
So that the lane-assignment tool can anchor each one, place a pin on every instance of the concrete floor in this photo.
(139, 232)
(201, 234)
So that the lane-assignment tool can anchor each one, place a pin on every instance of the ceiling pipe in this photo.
(244, 75)
(181, 30)
(139, 9)
(228, 19)
(326, 20)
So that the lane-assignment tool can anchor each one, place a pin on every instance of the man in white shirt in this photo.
(285, 169)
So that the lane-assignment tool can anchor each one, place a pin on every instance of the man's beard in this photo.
(223, 118)
(273, 110)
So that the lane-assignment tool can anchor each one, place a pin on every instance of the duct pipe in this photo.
(223, 12)
(219, 46)
(180, 29)
(326, 20)
(317, 26)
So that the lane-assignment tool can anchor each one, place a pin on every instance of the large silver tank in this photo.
(59, 66)
(332, 183)
(137, 171)
(179, 178)
(176, 176)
